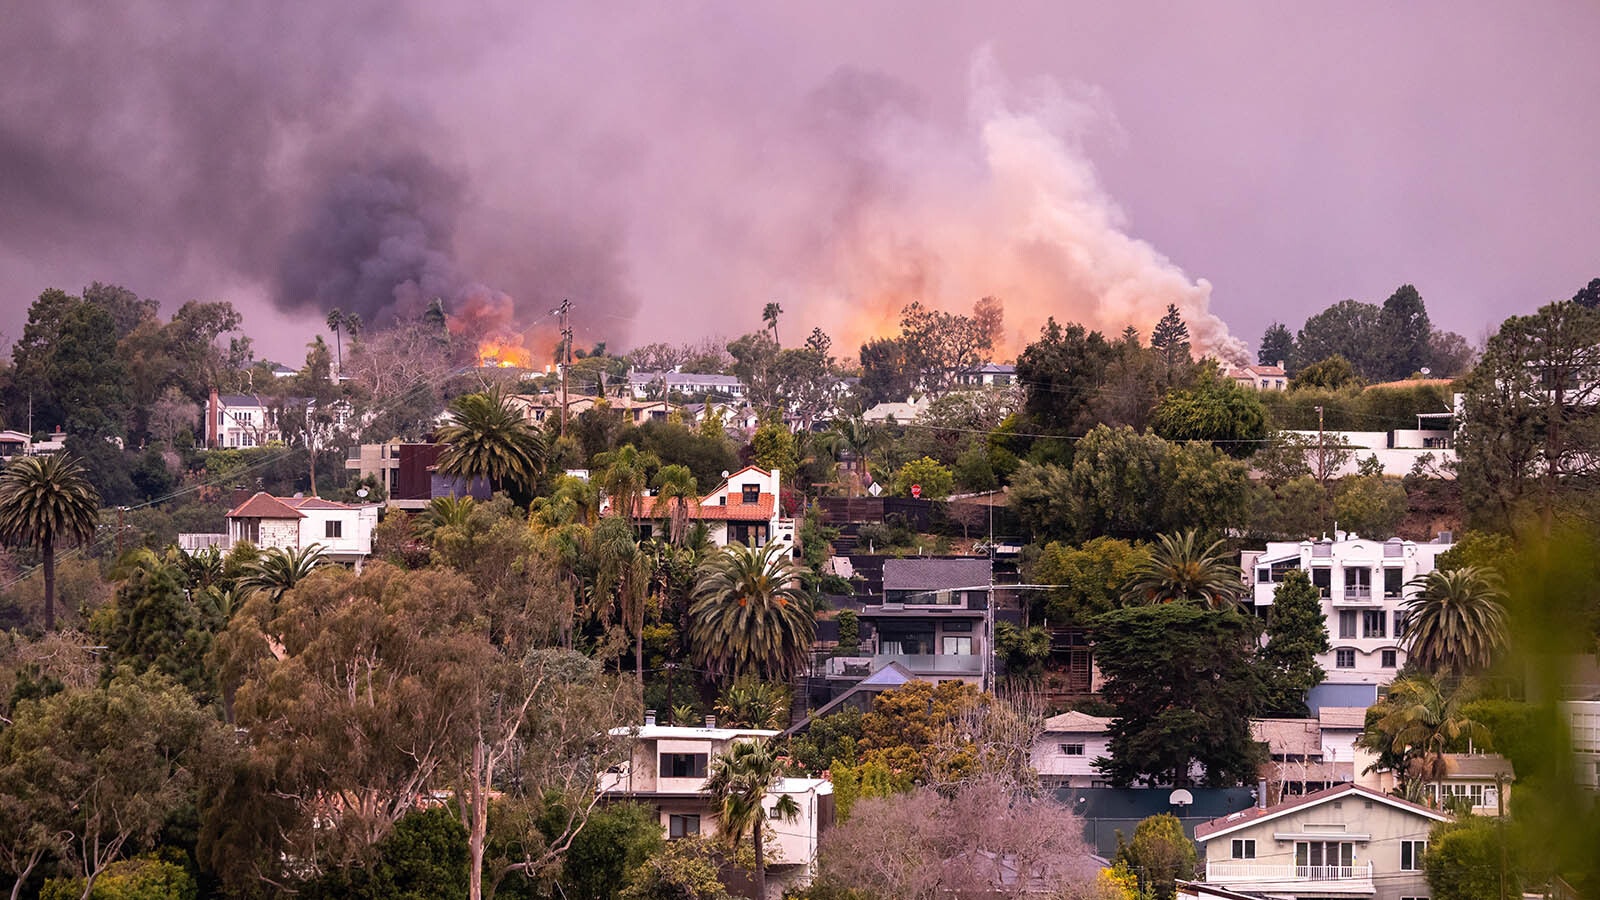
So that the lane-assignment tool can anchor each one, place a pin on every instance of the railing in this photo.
(1249, 872)
(919, 663)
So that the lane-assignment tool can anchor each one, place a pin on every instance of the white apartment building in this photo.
(668, 770)
(342, 531)
(1363, 584)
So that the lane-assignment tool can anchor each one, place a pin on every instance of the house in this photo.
(1065, 751)
(688, 385)
(15, 443)
(1397, 452)
(342, 531)
(1583, 718)
(1298, 762)
(1260, 377)
(935, 620)
(1484, 778)
(747, 508)
(251, 420)
(667, 770)
(988, 375)
(1363, 584)
(1343, 841)
(897, 412)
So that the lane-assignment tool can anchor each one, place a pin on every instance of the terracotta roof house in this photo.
(342, 531)
(1344, 841)
(746, 508)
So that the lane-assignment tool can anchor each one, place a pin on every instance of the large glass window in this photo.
(1322, 577)
(1344, 659)
(682, 826)
(1244, 848)
(1374, 623)
(1393, 582)
(683, 765)
(1347, 624)
(1358, 583)
(1315, 857)
(1411, 855)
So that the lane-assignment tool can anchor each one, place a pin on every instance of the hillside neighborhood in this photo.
(1103, 616)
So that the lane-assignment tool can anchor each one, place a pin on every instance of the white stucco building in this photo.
(343, 531)
(747, 508)
(1363, 584)
(1065, 751)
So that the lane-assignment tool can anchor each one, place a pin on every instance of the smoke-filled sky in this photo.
(673, 167)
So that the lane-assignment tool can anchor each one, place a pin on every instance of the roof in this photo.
(735, 510)
(1076, 722)
(1235, 821)
(265, 506)
(682, 732)
(886, 677)
(313, 503)
(925, 574)
(675, 378)
(1289, 737)
(1342, 717)
(1477, 765)
(993, 369)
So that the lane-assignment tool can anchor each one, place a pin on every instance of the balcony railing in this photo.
(1356, 877)
(918, 663)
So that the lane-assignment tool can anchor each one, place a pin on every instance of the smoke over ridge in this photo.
(372, 156)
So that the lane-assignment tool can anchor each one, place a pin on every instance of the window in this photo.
(1393, 581)
(1399, 624)
(1358, 583)
(1322, 577)
(1347, 624)
(1374, 623)
(333, 529)
(1072, 749)
(775, 813)
(1411, 855)
(956, 645)
(1318, 856)
(250, 530)
(1244, 849)
(750, 493)
(1389, 660)
(1344, 659)
(682, 826)
(683, 765)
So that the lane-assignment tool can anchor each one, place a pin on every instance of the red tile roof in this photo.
(736, 509)
(265, 506)
(1257, 814)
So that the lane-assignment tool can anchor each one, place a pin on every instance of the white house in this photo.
(1065, 751)
(1345, 841)
(342, 531)
(14, 443)
(1363, 584)
(668, 769)
(686, 384)
(988, 375)
(1260, 377)
(746, 508)
(1583, 717)
(1397, 451)
(935, 619)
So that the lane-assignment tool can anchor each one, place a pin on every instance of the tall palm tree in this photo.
(676, 492)
(489, 438)
(1179, 569)
(750, 615)
(336, 322)
(277, 571)
(44, 501)
(624, 475)
(1419, 720)
(859, 439)
(738, 782)
(625, 570)
(770, 315)
(1456, 622)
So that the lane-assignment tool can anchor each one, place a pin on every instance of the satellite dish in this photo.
(1181, 798)
(724, 473)
(1427, 371)
(362, 493)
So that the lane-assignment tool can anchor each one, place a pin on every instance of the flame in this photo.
(505, 351)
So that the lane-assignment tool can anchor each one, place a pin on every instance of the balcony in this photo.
(932, 664)
(1356, 596)
(1272, 877)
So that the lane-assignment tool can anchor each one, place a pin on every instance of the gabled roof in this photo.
(1075, 722)
(1477, 765)
(313, 503)
(925, 574)
(1235, 821)
(265, 506)
(1288, 737)
(734, 510)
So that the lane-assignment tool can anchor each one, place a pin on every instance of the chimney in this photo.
(213, 413)
(649, 718)
(1280, 364)
(711, 721)
(1261, 794)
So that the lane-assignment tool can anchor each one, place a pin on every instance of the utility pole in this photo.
(1322, 452)
(564, 356)
(121, 510)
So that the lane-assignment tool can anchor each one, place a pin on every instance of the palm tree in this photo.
(1419, 720)
(45, 500)
(624, 474)
(676, 491)
(625, 569)
(336, 321)
(277, 571)
(859, 439)
(441, 513)
(1456, 621)
(750, 615)
(770, 316)
(1179, 569)
(738, 783)
(488, 437)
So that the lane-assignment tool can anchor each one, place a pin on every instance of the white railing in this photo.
(1247, 872)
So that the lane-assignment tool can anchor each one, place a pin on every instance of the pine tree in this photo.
(1170, 338)
(1296, 633)
(1277, 345)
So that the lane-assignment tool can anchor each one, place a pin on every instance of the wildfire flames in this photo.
(505, 353)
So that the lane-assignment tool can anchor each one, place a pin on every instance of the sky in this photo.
(671, 168)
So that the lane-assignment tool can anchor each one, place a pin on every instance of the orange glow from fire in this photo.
(504, 352)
